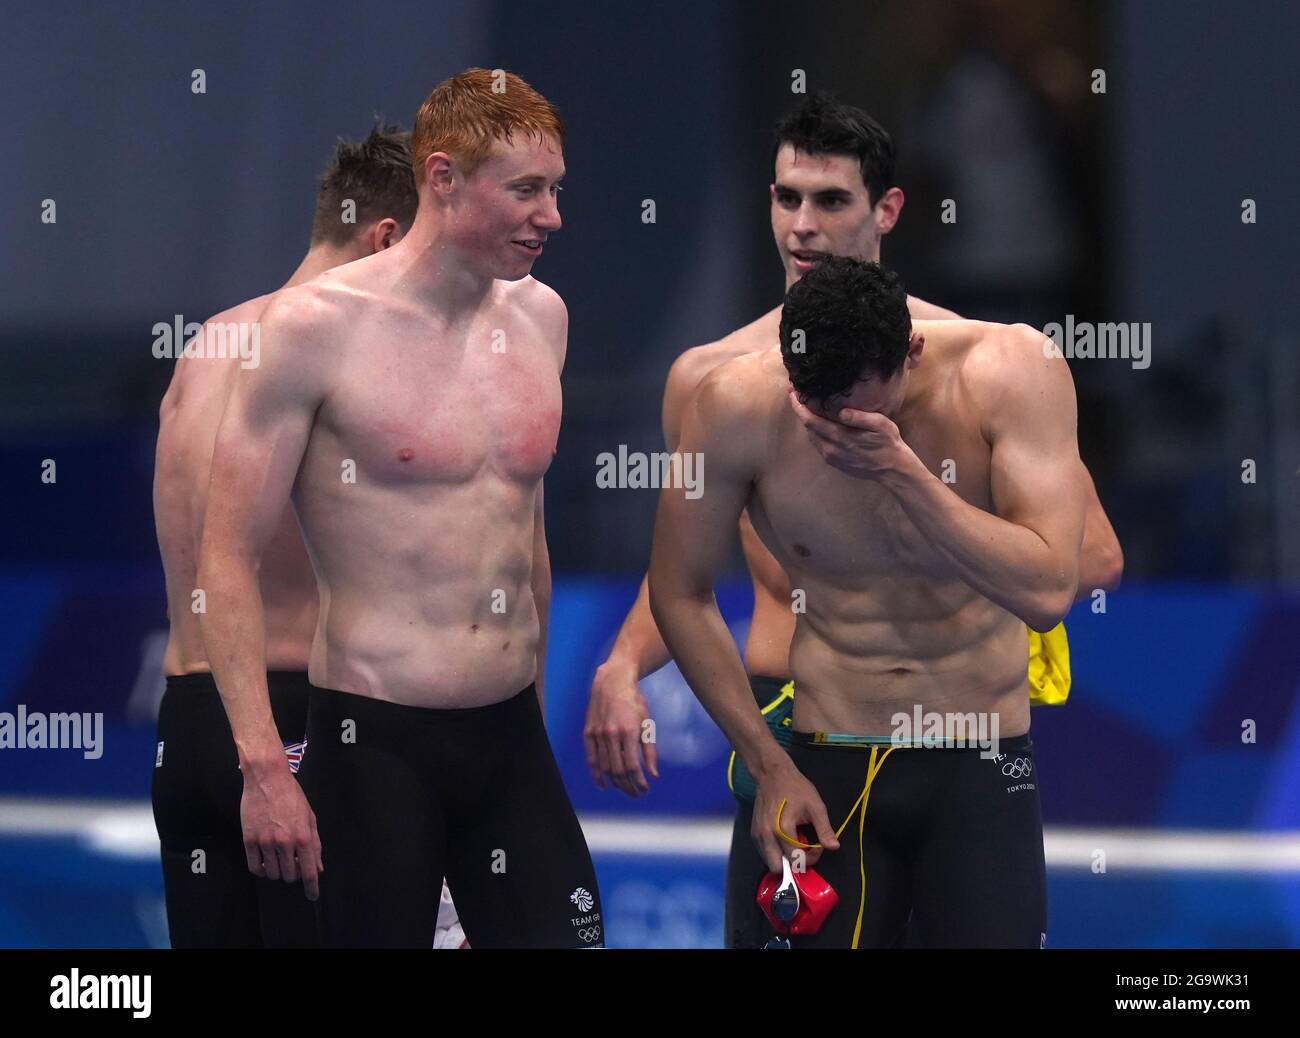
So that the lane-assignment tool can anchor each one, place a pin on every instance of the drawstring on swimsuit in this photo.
(874, 765)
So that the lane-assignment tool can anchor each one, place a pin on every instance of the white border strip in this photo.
(1066, 848)
(1172, 850)
(126, 829)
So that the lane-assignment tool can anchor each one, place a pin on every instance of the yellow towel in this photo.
(1049, 667)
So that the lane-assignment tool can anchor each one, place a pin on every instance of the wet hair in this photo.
(855, 325)
(823, 126)
(464, 116)
(376, 175)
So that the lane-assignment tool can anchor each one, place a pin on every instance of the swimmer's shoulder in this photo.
(998, 363)
(326, 311)
(541, 307)
(346, 300)
(692, 365)
(732, 410)
(246, 312)
(923, 311)
(197, 378)
(530, 294)
(303, 335)
(249, 310)
(745, 389)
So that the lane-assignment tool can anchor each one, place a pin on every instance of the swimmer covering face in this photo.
(932, 611)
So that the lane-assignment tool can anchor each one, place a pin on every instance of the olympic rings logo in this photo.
(1018, 768)
(589, 933)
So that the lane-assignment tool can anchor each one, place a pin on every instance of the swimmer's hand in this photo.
(280, 838)
(782, 788)
(619, 731)
(862, 444)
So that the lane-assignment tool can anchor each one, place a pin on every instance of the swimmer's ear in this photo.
(888, 208)
(384, 234)
(439, 172)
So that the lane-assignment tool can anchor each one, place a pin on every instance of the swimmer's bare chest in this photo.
(884, 617)
(824, 525)
(426, 438)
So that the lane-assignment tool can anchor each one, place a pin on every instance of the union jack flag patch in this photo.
(294, 751)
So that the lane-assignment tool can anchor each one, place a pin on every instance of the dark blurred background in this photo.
(1123, 206)
(1117, 206)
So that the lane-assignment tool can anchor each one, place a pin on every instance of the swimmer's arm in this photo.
(541, 583)
(1101, 560)
(1025, 556)
(691, 545)
(639, 649)
(260, 444)
(553, 323)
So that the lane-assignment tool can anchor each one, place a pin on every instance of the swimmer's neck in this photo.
(320, 258)
(432, 273)
(914, 399)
